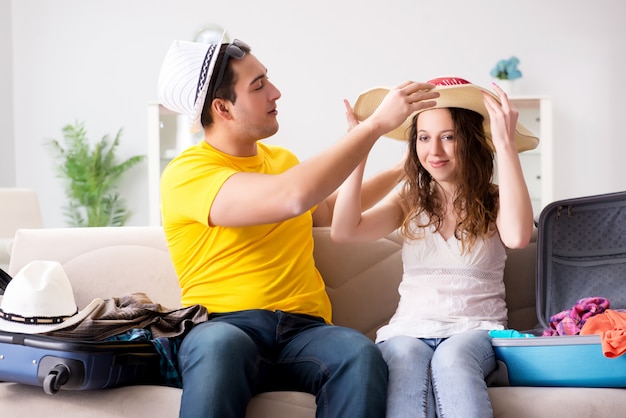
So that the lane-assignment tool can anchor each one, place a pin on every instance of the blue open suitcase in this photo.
(54, 363)
(581, 252)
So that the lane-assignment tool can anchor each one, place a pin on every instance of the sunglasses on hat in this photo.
(233, 50)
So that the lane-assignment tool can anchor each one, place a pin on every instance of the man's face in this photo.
(255, 106)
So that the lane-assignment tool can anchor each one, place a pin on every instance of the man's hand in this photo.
(401, 102)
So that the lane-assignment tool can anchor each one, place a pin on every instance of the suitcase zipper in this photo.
(558, 212)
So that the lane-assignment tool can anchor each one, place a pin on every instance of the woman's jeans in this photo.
(442, 377)
(232, 357)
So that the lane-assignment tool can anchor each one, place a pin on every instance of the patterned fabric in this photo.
(135, 317)
(167, 348)
(118, 315)
(570, 322)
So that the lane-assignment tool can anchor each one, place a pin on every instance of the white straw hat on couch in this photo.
(40, 299)
(453, 92)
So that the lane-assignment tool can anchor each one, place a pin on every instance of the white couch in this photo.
(362, 282)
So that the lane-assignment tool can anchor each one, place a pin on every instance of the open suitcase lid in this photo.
(581, 252)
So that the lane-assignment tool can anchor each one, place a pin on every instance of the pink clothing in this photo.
(570, 322)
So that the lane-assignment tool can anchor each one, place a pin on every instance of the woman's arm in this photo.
(515, 214)
(349, 224)
(373, 190)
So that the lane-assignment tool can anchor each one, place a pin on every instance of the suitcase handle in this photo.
(56, 378)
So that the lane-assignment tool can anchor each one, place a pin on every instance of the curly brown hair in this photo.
(476, 198)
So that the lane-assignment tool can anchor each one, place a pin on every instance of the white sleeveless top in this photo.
(444, 292)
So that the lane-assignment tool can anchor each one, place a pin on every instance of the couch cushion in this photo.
(557, 402)
(132, 401)
(361, 279)
(104, 262)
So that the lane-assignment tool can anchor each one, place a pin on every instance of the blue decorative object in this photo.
(509, 333)
(507, 69)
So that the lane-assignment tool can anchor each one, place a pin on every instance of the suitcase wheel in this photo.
(56, 378)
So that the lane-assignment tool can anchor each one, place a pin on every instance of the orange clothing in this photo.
(611, 325)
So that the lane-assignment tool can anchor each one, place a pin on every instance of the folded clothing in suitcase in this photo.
(581, 253)
(54, 363)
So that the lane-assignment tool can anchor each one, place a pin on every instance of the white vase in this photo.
(508, 86)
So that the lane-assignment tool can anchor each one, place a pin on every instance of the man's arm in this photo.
(252, 198)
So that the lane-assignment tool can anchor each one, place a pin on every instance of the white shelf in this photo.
(535, 113)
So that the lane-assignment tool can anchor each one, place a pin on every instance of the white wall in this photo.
(7, 147)
(98, 62)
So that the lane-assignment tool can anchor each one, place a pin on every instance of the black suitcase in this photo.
(54, 363)
(581, 253)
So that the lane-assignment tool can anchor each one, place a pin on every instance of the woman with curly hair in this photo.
(456, 223)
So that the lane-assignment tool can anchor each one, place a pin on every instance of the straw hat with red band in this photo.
(453, 92)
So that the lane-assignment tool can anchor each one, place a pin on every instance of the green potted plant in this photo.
(91, 175)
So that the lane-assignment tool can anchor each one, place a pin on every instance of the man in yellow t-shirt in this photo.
(238, 218)
(268, 266)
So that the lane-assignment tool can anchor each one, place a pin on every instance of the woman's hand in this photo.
(503, 119)
(350, 116)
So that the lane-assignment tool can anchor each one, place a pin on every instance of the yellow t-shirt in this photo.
(230, 269)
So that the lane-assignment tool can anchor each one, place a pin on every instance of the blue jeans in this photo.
(234, 356)
(442, 377)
